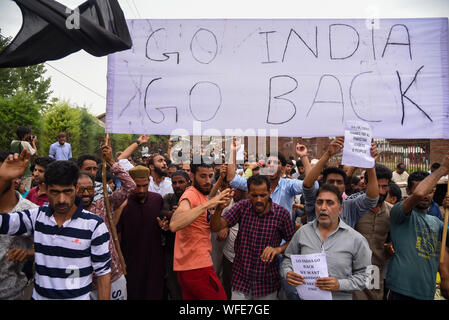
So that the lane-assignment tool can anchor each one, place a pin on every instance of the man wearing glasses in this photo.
(85, 189)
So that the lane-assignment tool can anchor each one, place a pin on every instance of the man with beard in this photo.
(347, 252)
(38, 194)
(417, 240)
(263, 224)
(13, 250)
(70, 243)
(159, 182)
(141, 240)
(375, 226)
(190, 221)
(180, 182)
(85, 190)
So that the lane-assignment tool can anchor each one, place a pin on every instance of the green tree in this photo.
(24, 94)
(61, 117)
(28, 79)
(92, 134)
(19, 110)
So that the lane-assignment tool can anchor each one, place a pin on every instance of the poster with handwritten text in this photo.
(297, 77)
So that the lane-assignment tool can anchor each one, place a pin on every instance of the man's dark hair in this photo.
(43, 161)
(435, 165)
(382, 172)
(62, 134)
(400, 164)
(4, 155)
(99, 176)
(331, 188)
(280, 157)
(173, 165)
(62, 173)
(194, 167)
(335, 170)
(87, 174)
(151, 158)
(181, 173)
(85, 157)
(258, 180)
(22, 131)
(299, 163)
(395, 191)
(416, 176)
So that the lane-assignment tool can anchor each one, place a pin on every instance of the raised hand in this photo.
(144, 139)
(374, 152)
(14, 166)
(301, 150)
(336, 146)
(106, 152)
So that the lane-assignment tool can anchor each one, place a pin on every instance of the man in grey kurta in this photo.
(347, 252)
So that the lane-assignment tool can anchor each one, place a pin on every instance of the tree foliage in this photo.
(19, 110)
(60, 117)
(27, 79)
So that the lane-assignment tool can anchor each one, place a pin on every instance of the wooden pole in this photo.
(446, 219)
(109, 212)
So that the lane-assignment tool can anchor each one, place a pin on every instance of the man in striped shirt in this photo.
(70, 243)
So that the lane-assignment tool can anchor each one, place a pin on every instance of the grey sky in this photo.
(91, 71)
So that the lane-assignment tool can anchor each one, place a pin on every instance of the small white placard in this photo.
(311, 267)
(357, 148)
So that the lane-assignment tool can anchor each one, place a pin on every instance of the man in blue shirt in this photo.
(61, 150)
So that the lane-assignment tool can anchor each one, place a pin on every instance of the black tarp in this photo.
(45, 36)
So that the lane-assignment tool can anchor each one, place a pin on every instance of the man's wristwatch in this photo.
(138, 143)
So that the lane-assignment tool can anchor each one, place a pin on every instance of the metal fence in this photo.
(415, 154)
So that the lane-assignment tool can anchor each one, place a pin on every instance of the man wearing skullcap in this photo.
(141, 240)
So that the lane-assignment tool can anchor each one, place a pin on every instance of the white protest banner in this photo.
(311, 267)
(301, 77)
(357, 148)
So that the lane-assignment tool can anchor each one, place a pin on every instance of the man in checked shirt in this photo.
(262, 226)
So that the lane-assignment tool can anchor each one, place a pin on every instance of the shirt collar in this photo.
(341, 224)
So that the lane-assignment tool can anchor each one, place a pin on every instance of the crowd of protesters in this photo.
(163, 229)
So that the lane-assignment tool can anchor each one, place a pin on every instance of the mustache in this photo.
(323, 213)
(62, 205)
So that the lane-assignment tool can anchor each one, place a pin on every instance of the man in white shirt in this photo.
(400, 175)
(159, 182)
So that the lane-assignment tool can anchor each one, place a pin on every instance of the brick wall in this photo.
(438, 148)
